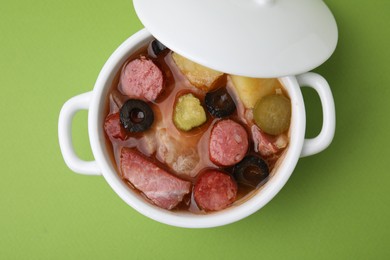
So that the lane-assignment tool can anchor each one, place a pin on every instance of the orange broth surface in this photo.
(175, 85)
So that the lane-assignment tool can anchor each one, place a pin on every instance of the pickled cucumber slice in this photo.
(272, 114)
(188, 113)
(199, 76)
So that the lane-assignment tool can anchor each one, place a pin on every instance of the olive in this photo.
(136, 115)
(219, 103)
(272, 114)
(251, 171)
(158, 47)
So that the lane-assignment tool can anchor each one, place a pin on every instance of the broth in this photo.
(196, 140)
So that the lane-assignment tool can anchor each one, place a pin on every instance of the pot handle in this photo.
(67, 113)
(325, 137)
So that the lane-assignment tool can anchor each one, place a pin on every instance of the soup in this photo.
(187, 137)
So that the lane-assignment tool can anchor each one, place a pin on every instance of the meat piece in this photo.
(268, 145)
(162, 188)
(114, 128)
(141, 79)
(228, 143)
(215, 190)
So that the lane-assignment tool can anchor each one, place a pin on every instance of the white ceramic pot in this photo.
(95, 101)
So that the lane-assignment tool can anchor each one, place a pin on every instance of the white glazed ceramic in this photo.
(253, 38)
(95, 101)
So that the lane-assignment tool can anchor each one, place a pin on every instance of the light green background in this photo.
(336, 205)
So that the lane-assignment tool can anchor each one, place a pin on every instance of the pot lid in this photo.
(253, 38)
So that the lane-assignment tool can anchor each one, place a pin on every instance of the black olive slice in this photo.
(136, 116)
(158, 47)
(219, 103)
(252, 171)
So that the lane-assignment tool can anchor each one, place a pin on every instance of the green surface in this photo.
(336, 205)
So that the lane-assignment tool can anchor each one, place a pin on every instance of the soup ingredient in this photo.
(162, 188)
(272, 114)
(147, 144)
(228, 143)
(250, 90)
(188, 112)
(268, 145)
(219, 103)
(136, 116)
(158, 47)
(114, 128)
(181, 158)
(251, 171)
(141, 79)
(215, 190)
(201, 149)
(199, 76)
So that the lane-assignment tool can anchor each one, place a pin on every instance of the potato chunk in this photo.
(199, 76)
(250, 90)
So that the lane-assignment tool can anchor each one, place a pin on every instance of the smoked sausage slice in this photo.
(215, 190)
(114, 128)
(141, 79)
(228, 143)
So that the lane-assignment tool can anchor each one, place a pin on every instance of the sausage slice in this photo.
(141, 79)
(114, 128)
(215, 190)
(228, 143)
